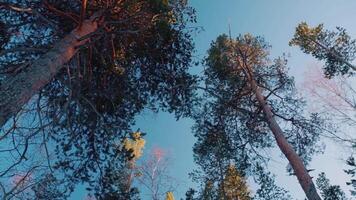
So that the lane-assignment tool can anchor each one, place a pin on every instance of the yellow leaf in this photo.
(169, 196)
(135, 145)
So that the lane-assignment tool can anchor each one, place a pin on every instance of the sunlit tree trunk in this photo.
(15, 91)
(295, 161)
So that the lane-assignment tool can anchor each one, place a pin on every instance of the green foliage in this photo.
(209, 192)
(115, 182)
(230, 126)
(190, 194)
(336, 48)
(234, 186)
(231, 112)
(268, 189)
(352, 172)
(329, 192)
(305, 35)
(49, 187)
(139, 60)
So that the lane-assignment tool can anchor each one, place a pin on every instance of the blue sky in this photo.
(276, 21)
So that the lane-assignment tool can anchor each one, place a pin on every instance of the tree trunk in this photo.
(296, 162)
(16, 91)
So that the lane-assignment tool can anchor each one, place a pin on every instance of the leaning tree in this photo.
(252, 104)
(73, 75)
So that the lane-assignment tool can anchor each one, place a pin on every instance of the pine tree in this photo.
(352, 172)
(81, 71)
(329, 192)
(336, 48)
(234, 186)
(248, 99)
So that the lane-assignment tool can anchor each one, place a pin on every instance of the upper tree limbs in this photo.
(136, 102)
(335, 47)
(14, 7)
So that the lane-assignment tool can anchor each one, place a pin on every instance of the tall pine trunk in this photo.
(15, 91)
(295, 161)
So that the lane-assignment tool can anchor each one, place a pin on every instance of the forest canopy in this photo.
(77, 76)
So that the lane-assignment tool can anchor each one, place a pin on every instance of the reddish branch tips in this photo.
(324, 91)
(82, 13)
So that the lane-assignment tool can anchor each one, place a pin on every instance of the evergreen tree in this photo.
(336, 48)
(248, 99)
(268, 189)
(74, 74)
(352, 172)
(234, 186)
(329, 192)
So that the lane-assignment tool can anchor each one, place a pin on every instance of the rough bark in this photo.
(15, 91)
(295, 161)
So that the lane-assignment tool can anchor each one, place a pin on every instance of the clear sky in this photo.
(276, 21)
